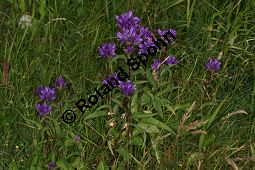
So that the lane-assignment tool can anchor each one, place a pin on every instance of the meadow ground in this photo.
(192, 119)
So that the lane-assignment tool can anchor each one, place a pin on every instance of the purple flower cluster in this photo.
(132, 35)
(60, 83)
(108, 80)
(127, 20)
(43, 109)
(47, 94)
(125, 87)
(51, 166)
(107, 50)
(213, 65)
(163, 32)
(170, 60)
(77, 138)
(156, 64)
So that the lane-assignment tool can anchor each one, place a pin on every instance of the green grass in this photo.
(64, 40)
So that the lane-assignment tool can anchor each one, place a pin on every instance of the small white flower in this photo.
(112, 124)
(25, 21)
(111, 113)
(125, 126)
(123, 116)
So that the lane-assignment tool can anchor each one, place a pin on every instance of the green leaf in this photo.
(137, 141)
(32, 167)
(141, 115)
(157, 106)
(110, 146)
(102, 107)
(148, 128)
(42, 9)
(102, 166)
(63, 164)
(181, 107)
(134, 103)
(124, 153)
(35, 161)
(149, 77)
(34, 123)
(155, 148)
(121, 166)
(140, 82)
(95, 114)
(13, 166)
(22, 5)
(56, 125)
(155, 122)
(145, 99)
(117, 58)
(212, 118)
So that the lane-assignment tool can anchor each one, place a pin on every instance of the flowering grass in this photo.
(195, 112)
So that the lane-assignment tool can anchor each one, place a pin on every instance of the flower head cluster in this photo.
(127, 20)
(51, 166)
(130, 37)
(60, 83)
(127, 88)
(37, 91)
(25, 21)
(132, 34)
(48, 94)
(163, 32)
(156, 64)
(43, 109)
(170, 60)
(112, 80)
(107, 50)
(77, 138)
(129, 34)
(213, 65)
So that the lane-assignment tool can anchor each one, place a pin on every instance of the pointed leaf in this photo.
(95, 114)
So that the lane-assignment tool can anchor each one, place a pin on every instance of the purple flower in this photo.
(37, 92)
(147, 40)
(145, 33)
(130, 49)
(127, 20)
(127, 88)
(51, 165)
(156, 64)
(213, 65)
(60, 82)
(113, 79)
(172, 60)
(145, 45)
(77, 138)
(107, 50)
(47, 94)
(162, 33)
(43, 110)
(129, 36)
